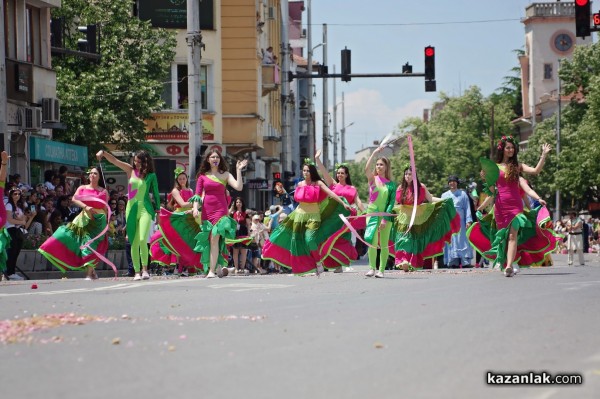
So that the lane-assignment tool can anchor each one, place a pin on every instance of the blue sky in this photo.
(385, 34)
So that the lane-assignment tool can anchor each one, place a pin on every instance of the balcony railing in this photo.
(555, 9)
(270, 78)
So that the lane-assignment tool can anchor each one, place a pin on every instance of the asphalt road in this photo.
(417, 335)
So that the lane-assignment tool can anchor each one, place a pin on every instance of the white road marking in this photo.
(579, 285)
(122, 286)
(240, 287)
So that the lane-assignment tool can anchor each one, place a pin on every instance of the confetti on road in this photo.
(21, 330)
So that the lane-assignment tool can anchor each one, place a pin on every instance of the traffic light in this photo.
(596, 20)
(430, 84)
(346, 65)
(429, 63)
(56, 32)
(87, 45)
(582, 18)
(276, 175)
(288, 175)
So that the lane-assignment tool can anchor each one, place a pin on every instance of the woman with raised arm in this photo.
(174, 243)
(79, 244)
(294, 244)
(141, 208)
(338, 250)
(435, 222)
(381, 200)
(217, 226)
(510, 232)
(4, 236)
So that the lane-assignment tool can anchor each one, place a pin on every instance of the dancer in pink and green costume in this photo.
(510, 234)
(337, 251)
(381, 200)
(82, 243)
(294, 244)
(217, 226)
(4, 236)
(141, 209)
(174, 242)
(435, 223)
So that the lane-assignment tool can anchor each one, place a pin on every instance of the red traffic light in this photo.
(277, 175)
(429, 51)
(581, 2)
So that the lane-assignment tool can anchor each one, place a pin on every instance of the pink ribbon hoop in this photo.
(92, 199)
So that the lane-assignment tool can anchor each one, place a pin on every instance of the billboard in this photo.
(172, 14)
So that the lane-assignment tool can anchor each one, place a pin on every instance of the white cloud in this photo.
(373, 118)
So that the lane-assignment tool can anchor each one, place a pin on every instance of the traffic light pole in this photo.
(355, 75)
(194, 42)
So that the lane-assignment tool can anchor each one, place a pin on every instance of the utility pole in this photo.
(343, 129)
(3, 92)
(335, 131)
(194, 42)
(310, 126)
(325, 104)
(286, 127)
(558, 115)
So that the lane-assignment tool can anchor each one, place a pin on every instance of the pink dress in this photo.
(434, 225)
(509, 202)
(72, 246)
(338, 249)
(174, 239)
(215, 204)
(535, 237)
(297, 242)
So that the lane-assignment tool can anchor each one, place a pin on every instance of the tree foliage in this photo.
(107, 101)
(454, 139)
(576, 172)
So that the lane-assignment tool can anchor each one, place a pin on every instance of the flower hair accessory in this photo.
(308, 161)
(178, 170)
(341, 164)
(503, 141)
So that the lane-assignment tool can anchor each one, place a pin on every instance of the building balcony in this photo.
(555, 9)
(270, 78)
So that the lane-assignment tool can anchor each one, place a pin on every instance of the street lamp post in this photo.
(310, 132)
(343, 131)
(325, 104)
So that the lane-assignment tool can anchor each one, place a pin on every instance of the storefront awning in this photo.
(61, 153)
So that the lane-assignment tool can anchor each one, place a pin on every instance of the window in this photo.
(547, 71)
(10, 28)
(175, 94)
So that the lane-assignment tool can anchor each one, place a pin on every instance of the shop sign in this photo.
(56, 152)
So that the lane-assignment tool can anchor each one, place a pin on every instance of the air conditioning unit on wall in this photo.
(50, 110)
(31, 118)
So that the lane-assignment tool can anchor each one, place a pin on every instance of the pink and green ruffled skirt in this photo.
(434, 225)
(300, 241)
(535, 237)
(64, 248)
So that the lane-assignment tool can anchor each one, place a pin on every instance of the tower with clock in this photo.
(549, 38)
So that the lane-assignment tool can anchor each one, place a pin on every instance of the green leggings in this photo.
(139, 243)
(383, 240)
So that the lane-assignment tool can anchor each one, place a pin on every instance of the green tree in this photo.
(108, 100)
(576, 172)
(454, 139)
